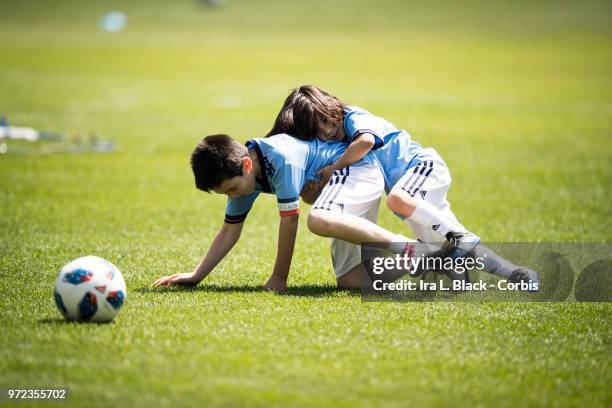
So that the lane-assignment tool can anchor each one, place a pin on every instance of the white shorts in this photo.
(354, 190)
(428, 180)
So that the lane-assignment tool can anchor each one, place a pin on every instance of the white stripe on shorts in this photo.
(418, 177)
(335, 184)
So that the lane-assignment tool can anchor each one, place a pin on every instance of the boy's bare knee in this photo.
(394, 201)
(318, 222)
(400, 202)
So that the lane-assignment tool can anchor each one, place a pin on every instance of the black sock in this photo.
(494, 263)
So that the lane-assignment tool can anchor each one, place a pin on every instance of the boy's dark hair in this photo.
(215, 159)
(304, 110)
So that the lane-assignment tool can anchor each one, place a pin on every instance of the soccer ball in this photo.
(89, 289)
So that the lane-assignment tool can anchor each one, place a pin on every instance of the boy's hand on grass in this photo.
(276, 284)
(325, 174)
(184, 279)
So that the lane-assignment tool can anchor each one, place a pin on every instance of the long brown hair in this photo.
(304, 110)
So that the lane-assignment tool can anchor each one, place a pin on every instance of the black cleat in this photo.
(461, 244)
(525, 275)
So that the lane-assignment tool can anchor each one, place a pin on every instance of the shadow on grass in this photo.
(54, 321)
(301, 290)
(60, 321)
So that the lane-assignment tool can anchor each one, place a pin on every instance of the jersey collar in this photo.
(263, 181)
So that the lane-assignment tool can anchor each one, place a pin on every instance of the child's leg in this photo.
(412, 197)
(430, 194)
(339, 210)
(493, 263)
(347, 210)
(421, 213)
(419, 195)
(346, 227)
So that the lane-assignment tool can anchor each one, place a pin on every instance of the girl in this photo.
(416, 179)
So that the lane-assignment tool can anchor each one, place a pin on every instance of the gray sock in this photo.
(494, 263)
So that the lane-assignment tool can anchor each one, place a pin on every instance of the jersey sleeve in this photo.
(358, 122)
(238, 208)
(289, 180)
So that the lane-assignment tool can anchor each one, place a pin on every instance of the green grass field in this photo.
(517, 97)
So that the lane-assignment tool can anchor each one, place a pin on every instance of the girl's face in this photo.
(330, 131)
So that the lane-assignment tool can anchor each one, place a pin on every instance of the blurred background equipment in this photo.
(113, 22)
(211, 3)
(26, 140)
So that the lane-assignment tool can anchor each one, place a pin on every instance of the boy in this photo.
(281, 165)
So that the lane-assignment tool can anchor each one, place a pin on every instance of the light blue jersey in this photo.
(287, 163)
(394, 149)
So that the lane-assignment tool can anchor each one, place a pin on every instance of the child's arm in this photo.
(225, 240)
(287, 231)
(355, 152)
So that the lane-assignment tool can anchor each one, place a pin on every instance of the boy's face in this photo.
(239, 185)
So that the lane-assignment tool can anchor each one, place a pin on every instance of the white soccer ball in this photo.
(90, 289)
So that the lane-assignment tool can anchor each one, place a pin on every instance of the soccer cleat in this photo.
(461, 244)
(525, 275)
